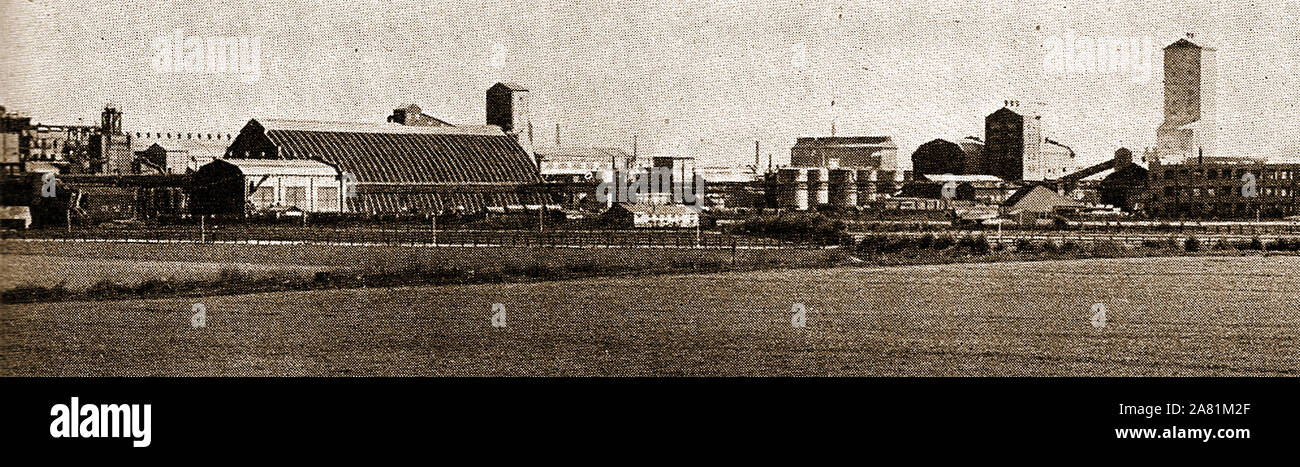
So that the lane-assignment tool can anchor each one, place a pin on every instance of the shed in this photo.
(242, 186)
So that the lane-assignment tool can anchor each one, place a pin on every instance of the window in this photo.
(327, 198)
(296, 196)
(262, 197)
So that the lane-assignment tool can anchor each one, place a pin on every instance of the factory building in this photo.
(1216, 187)
(175, 153)
(1015, 148)
(507, 109)
(14, 141)
(242, 187)
(412, 169)
(575, 164)
(847, 152)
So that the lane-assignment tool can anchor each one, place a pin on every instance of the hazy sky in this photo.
(699, 78)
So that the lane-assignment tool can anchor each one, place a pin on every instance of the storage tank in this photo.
(866, 185)
(794, 188)
(844, 188)
(819, 188)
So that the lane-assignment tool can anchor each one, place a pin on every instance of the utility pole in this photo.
(203, 233)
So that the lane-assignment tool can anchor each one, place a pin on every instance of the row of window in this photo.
(1214, 174)
(1228, 191)
(327, 198)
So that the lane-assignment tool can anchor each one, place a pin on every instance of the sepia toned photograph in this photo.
(605, 188)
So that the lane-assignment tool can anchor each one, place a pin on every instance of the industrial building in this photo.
(413, 169)
(1036, 202)
(176, 153)
(652, 215)
(939, 157)
(250, 186)
(1016, 149)
(847, 152)
(1215, 187)
(1190, 108)
(574, 164)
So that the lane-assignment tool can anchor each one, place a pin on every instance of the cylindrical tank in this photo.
(794, 188)
(844, 188)
(866, 185)
(819, 188)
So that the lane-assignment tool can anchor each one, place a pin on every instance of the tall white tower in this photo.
(1191, 117)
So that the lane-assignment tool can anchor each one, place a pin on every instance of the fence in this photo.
(1128, 239)
(408, 236)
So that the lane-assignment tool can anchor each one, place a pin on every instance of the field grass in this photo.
(81, 265)
(1166, 317)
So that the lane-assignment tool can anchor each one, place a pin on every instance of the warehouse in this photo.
(252, 186)
(402, 169)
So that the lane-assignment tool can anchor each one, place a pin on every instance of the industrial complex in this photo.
(419, 166)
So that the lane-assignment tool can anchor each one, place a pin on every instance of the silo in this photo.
(819, 186)
(793, 188)
(844, 188)
(866, 185)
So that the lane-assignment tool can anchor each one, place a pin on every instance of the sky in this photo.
(705, 79)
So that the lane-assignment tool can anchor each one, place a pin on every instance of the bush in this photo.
(944, 242)
(1069, 246)
(107, 288)
(1192, 244)
(811, 227)
(154, 287)
(1107, 249)
(1024, 245)
(34, 293)
(926, 241)
(1051, 247)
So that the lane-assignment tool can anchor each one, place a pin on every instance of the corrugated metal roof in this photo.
(385, 158)
(439, 202)
(658, 209)
(394, 154)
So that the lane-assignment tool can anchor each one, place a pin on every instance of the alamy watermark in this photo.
(229, 55)
(1079, 55)
(657, 184)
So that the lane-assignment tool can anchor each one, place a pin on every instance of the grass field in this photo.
(81, 265)
(1166, 317)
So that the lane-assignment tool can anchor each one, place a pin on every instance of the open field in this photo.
(46, 263)
(81, 273)
(1166, 317)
